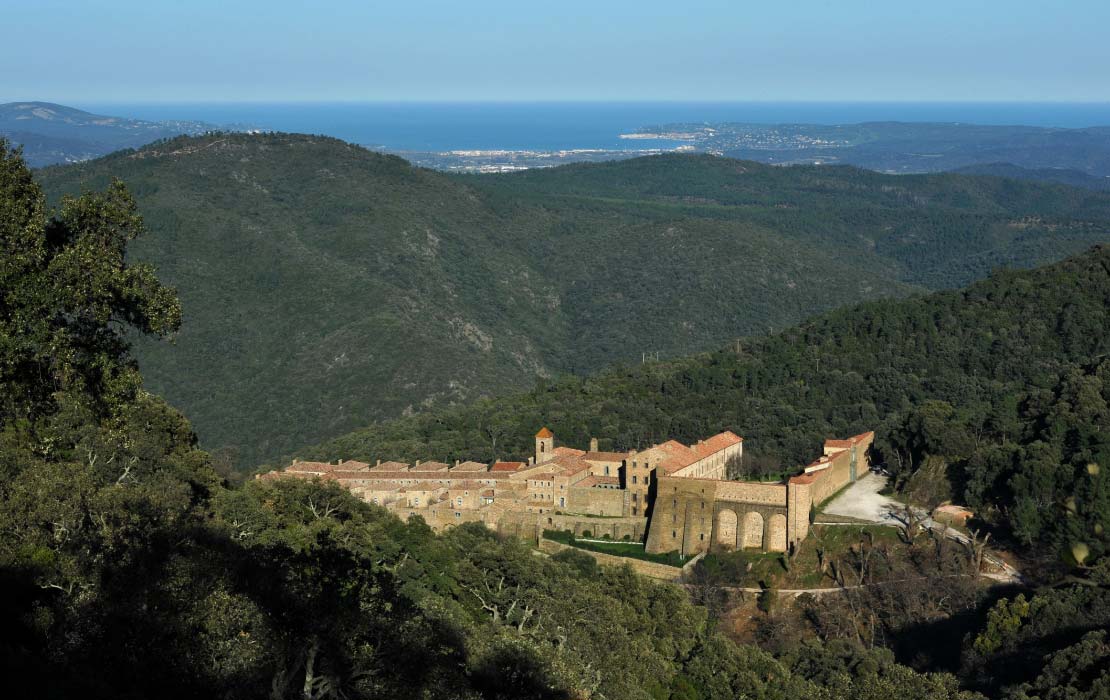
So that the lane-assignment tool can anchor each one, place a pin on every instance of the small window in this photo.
(459, 500)
(674, 534)
(606, 470)
(634, 478)
(634, 510)
(458, 514)
(701, 536)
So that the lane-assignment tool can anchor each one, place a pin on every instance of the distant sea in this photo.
(430, 126)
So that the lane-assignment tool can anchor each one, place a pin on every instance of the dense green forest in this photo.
(325, 286)
(129, 569)
(1002, 388)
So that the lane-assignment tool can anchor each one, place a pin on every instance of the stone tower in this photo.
(545, 443)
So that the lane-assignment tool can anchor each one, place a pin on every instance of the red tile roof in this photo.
(507, 466)
(545, 433)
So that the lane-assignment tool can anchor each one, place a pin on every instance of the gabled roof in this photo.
(431, 466)
(568, 464)
(506, 466)
(470, 467)
(390, 467)
(567, 452)
(311, 467)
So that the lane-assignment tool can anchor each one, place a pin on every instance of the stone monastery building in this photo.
(671, 496)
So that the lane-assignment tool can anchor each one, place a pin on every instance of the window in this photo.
(606, 470)
(701, 536)
(674, 534)
(562, 502)
(634, 478)
(458, 514)
(416, 501)
(459, 501)
(634, 510)
(635, 497)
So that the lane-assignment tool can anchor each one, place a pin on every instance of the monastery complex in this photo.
(671, 496)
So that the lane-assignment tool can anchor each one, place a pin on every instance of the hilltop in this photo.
(52, 133)
(325, 286)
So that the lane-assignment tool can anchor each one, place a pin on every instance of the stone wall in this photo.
(644, 568)
(530, 526)
(751, 492)
(591, 500)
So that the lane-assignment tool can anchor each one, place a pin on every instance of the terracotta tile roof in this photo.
(717, 443)
(431, 466)
(569, 464)
(803, 479)
(870, 434)
(390, 467)
(314, 467)
(605, 456)
(470, 467)
(567, 452)
(353, 465)
(545, 433)
(506, 466)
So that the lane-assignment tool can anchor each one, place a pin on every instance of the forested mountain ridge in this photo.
(128, 569)
(1005, 385)
(325, 286)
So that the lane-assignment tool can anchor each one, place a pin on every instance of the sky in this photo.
(525, 50)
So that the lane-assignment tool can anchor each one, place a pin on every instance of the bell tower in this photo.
(545, 443)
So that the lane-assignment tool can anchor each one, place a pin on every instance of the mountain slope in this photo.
(51, 133)
(1006, 383)
(325, 286)
(1063, 176)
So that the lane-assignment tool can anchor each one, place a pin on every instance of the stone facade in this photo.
(673, 496)
(693, 515)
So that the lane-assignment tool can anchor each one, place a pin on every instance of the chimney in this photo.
(593, 444)
(531, 460)
(456, 462)
(379, 463)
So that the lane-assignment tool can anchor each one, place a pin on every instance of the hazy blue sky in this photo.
(155, 50)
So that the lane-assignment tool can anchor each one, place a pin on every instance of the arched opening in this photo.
(726, 529)
(753, 530)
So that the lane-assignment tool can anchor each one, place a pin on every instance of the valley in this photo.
(325, 286)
